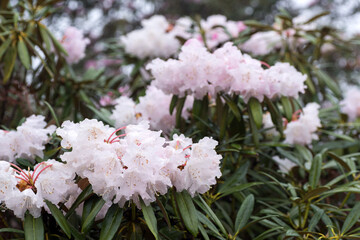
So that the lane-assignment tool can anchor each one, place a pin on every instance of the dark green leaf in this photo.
(351, 219)
(111, 222)
(91, 217)
(187, 212)
(173, 103)
(82, 196)
(315, 171)
(33, 227)
(244, 213)
(9, 60)
(23, 53)
(255, 110)
(59, 217)
(150, 218)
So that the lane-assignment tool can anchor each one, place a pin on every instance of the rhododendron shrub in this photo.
(176, 127)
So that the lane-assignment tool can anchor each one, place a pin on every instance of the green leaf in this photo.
(150, 218)
(179, 106)
(23, 53)
(111, 222)
(338, 135)
(233, 107)
(91, 217)
(59, 217)
(173, 103)
(9, 60)
(187, 212)
(4, 46)
(287, 107)
(11, 230)
(238, 188)
(314, 193)
(330, 83)
(339, 160)
(351, 219)
(203, 205)
(315, 171)
(255, 110)
(317, 16)
(203, 232)
(244, 213)
(82, 196)
(52, 113)
(33, 227)
(45, 38)
(56, 43)
(102, 115)
(315, 219)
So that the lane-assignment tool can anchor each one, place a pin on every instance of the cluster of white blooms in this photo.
(27, 141)
(285, 165)
(199, 72)
(351, 103)
(154, 107)
(217, 29)
(27, 190)
(153, 40)
(302, 130)
(138, 163)
(75, 44)
(263, 43)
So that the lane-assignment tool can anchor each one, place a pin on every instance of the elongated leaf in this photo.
(179, 107)
(111, 222)
(60, 219)
(315, 193)
(9, 60)
(173, 103)
(203, 232)
(315, 219)
(45, 37)
(23, 53)
(244, 213)
(255, 110)
(187, 212)
(150, 218)
(233, 107)
(287, 107)
(52, 113)
(203, 205)
(239, 188)
(91, 217)
(204, 220)
(317, 16)
(330, 83)
(82, 196)
(56, 43)
(4, 46)
(338, 135)
(33, 227)
(11, 230)
(315, 171)
(341, 161)
(351, 219)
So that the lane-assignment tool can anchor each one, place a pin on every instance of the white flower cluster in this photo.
(302, 131)
(153, 40)
(217, 29)
(263, 43)
(138, 163)
(75, 44)
(27, 190)
(200, 72)
(154, 107)
(27, 141)
(351, 103)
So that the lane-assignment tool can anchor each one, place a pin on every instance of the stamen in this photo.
(23, 179)
(115, 132)
(187, 147)
(41, 172)
(36, 169)
(296, 115)
(265, 64)
(187, 156)
(177, 145)
(22, 173)
(122, 135)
